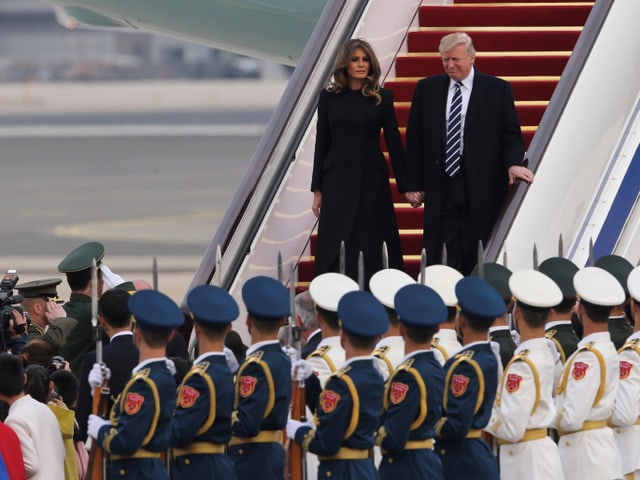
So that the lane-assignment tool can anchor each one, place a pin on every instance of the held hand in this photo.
(110, 279)
(96, 378)
(517, 172)
(171, 365)
(232, 361)
(415, 199)
(53, 310)
(94, 424)
(293, 426)
(301, 370)
(317, 201)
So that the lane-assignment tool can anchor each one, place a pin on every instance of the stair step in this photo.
(527, 132)
(496, 63)
(524, 88)
(488, 40)
(411, 240)
(517, 14)
(529, 112)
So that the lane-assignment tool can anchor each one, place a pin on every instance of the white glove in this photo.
(301, 370)
(171, 366)
(293, 426)
(515, 336)
(94, 424)
(110, 279)
(232, 361)
(291, 352)
(95, 376)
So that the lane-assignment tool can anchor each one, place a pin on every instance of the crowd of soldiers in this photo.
(533, 374)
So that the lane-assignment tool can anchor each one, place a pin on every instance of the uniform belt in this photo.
(532, 434)
(419, 444)
(198, 448)
(588, 425)
(474, 434)
(136, 455)
(265, 436)
(346, 453)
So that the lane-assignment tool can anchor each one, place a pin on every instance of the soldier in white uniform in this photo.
(524, 406)
(626, 416)
(384, 285)
(443, 279)
(326, 290)
(587, 390)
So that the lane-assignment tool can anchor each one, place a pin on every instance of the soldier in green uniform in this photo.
(498, 276)
(559, 328)
(48, 319)
(77, 267)
(619, 327)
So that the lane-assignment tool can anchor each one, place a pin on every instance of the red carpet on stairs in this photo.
(528, 43)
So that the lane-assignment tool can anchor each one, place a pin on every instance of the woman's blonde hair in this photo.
(340, 82)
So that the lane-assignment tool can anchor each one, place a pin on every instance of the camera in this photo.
(9, 302)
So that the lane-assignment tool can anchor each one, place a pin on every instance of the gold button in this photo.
(617, 430)
(443, 452)
(567, 443)
(241, 452)
(328, 473)
(511, 452)
(391, 460)
(122, 472)
(187, 461)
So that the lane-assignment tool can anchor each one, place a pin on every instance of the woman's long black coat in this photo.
(350, 171)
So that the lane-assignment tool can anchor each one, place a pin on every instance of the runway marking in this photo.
(191, 229)
(107, 131)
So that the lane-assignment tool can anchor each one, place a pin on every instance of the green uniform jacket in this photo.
(80, 339)
(56, 335)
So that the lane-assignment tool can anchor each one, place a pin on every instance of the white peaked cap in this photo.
(598, 287)
(535, 289)
(327, 289)
(443, 279)
(384, 285)
(633, 284)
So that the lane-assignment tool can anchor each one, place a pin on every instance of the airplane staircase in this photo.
(527, 43)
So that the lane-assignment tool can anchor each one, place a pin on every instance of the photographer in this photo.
(14, 332)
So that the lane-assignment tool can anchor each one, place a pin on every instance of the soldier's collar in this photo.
(259, 345)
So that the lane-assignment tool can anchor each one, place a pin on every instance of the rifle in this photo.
(297, 465)
(97, 468)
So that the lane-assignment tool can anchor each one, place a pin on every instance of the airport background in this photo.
(129, 138)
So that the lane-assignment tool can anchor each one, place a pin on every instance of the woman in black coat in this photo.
(352, 196)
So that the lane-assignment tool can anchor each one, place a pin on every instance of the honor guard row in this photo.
(434, 420)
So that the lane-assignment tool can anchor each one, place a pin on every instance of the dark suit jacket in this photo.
(492, 143)
(120, 355)
(311, 345)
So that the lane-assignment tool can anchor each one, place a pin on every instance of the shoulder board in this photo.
(632, 345)
(466, 355)
(381, 352)
(318, 352)
(435, 341)
(550, 333)
(521, 355)
(407, 364)
(343, 371)
(144, 373)
(257, 355)
(201, 367)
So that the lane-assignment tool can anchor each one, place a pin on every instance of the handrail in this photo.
(548, 124)
(276, 149)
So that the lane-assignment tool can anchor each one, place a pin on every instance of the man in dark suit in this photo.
(461, 171)
(120, 355)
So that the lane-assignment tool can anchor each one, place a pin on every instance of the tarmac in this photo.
(175, 273)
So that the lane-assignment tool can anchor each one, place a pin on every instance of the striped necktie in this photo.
(452, 153)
